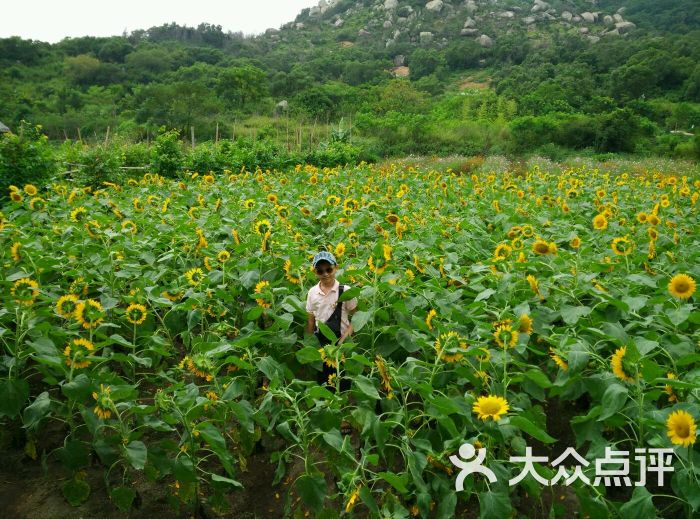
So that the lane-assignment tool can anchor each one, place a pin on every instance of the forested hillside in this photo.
(504, 76)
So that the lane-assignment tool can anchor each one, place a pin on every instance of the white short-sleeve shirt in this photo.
(322, 304)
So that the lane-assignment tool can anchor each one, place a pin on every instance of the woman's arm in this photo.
(311, 324)
(348, 330)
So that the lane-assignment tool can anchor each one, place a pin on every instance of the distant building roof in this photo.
(3, 128)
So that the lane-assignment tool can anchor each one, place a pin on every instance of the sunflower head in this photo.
(623, 366)
(682, 286)
(600, 222)
(25, 291)
(622, 246)
(66, 305)
(262, 227)
(136, 313)
(505, 336)
(89, 313)
(493, 407)
(682, 428)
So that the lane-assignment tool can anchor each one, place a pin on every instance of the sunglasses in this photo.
(327, 270)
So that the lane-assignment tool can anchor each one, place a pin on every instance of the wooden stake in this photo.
(192, 135)
(107, 136)
(217, 132)
(80, 137)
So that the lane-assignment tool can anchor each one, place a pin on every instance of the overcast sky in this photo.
(53, 20)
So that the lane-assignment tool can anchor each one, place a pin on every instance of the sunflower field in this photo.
(157, 327)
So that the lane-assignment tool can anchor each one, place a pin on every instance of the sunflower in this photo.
(541, 247)
(525, 324)
(534, 285)
(89, 313)
(194, 276)
(136, 313)
(429, 319)
(332, 200)
(527, 231)
(272, 198)
(490, 406)
(305, 211)
(681, 428)
(103, 402)
(282, 211)
(622, 246)
(24, 291)
(313, 180)
(350, 205)
(503, 251)
(129, 226)
(66, 305)
(384, 375)
(575, 242)
(260, 289)
(30, 189)
(76, 353)
(78, 286)
(558, 360)
(600, 222)
(505, 336)
(392, 218)
(669, 388)
(199, 365)
(620, 366)
(288, 273)
(14, 251)
(340, 250)
(387, 250)
(353, 499)
(262, 227)
(682, 286)
(78, 213)
(379, 270)
(641, 217)
(445, 342)
(16, 196)
(37, 203)
(223, 256)
(653, 220)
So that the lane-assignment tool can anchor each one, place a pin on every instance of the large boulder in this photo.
(539, 5)
(387, 24)
(529, 20)
(588, 17)
(391, 4)
(469, 31)
(399, 60)
(624, 27)
(506, 14)
(566, 16)
(469, 23)
(618, 18)
(484, 41)
(470, 6)
(426, 37)
(608, 20)
(435, 6)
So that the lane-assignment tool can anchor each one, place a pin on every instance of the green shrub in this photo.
(100, 163)
(167, 157)
(207, 157)
(25, 158)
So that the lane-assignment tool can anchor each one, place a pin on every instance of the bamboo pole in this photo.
(192, 135)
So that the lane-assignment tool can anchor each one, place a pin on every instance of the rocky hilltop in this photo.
(437, 22)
